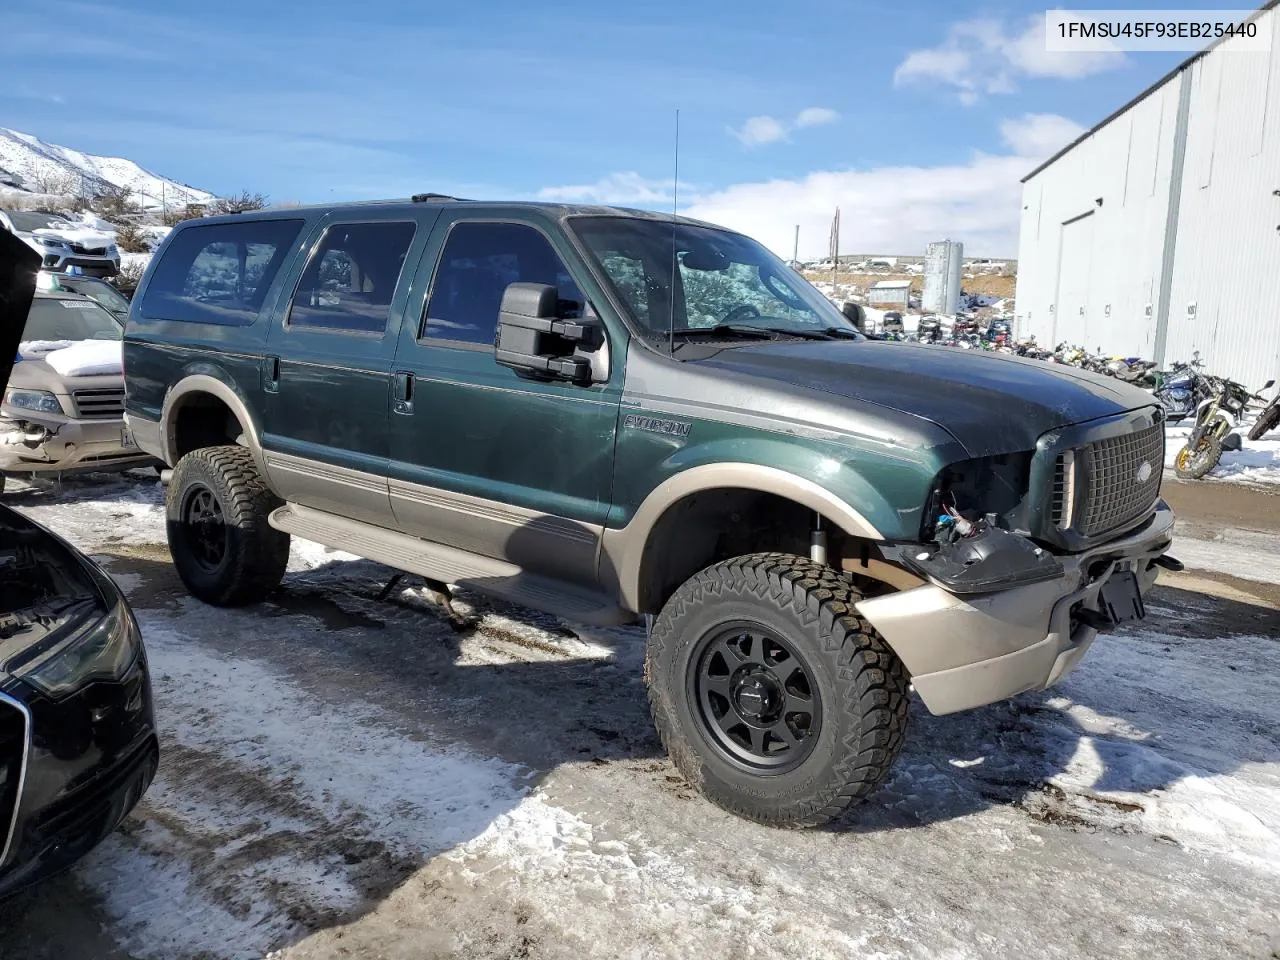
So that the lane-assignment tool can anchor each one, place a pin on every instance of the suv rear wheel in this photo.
(216, 506)
(771, 694)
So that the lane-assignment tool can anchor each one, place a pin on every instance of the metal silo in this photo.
(942, 261)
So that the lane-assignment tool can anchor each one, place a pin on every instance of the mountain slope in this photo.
(29, 164)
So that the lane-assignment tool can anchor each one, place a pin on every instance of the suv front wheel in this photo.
(771, 695)
(217, 506)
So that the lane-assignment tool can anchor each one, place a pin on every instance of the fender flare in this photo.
(198, 384)
(622, 549)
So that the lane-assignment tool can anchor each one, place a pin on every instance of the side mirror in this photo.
(856, 315)
(1268, 385)
(533, 340)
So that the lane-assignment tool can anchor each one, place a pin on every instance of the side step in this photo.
(450, 565)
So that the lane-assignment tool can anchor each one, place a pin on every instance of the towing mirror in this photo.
(533, 340)
(855, 314)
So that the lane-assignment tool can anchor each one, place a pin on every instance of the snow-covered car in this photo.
(63, 410)
(62, 244)
(78, 741)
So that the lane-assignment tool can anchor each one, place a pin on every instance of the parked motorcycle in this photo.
(1216, 422)
(1128, 369)
(1183, 390)
(1268, 419)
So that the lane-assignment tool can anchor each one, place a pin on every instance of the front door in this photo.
(481, 458)
(326, 376)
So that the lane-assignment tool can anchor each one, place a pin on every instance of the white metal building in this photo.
(942, 265)
(1157, 233)
(889, 293)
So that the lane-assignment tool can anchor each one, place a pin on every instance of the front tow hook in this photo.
(1169, 563)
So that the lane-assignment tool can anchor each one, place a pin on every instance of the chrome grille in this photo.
(1115, 494)
(1062, 501)
(99, 404)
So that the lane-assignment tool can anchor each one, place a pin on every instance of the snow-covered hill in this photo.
(29, 164)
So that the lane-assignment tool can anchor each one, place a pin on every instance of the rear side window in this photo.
(478, 262)
(219, 273)
(352, 276)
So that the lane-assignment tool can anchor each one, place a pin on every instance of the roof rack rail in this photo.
(424, 197)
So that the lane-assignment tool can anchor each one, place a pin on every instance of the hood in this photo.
(18, 266)
(991, 403)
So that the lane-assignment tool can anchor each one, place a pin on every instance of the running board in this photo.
(450, 565)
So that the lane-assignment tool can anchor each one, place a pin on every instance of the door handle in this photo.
(271, 374)
(402, 393)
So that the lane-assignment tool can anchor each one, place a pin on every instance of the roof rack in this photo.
(425, 197)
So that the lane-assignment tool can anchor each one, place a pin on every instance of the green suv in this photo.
(619, 416)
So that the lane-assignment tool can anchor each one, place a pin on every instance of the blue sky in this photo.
(915, 117)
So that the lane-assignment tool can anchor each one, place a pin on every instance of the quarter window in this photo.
(351, 278)
(478, 263)
(219, 273)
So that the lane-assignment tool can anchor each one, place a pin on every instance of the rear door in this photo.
(481, 458)
(326, 375)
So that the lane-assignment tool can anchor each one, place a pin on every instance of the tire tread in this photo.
(875, 680)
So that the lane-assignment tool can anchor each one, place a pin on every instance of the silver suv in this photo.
(62, 244)
(52, 422)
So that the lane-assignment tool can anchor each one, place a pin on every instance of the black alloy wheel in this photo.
(757, 701)
(207, 532)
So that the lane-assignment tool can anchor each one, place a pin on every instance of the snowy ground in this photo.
(343, 777)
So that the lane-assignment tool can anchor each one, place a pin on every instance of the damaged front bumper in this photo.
(34, 444)
(965, 651)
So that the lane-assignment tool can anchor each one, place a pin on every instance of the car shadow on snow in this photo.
(330, 682)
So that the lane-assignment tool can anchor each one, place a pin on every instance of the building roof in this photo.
(1142, 96)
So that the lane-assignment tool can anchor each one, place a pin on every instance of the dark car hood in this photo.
(992, 403)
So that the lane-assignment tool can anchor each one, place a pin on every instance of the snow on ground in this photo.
(1257, 462)
(347, 776)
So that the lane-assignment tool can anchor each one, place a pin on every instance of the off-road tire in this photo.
(256, 554)
(862, 685)
(1193, 464)
(1269, 420)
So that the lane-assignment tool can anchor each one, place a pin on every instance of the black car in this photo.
(77, 735)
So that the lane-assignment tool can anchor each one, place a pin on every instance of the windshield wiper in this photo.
(721, 331)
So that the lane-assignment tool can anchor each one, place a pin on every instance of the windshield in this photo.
(722, 279)
(101, 291)
(26, 222)
(56, 319)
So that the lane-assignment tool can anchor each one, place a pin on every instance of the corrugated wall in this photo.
(1126, 166)
(1226, 252)
(1225, 299)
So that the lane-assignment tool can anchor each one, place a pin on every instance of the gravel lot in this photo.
(348, 777)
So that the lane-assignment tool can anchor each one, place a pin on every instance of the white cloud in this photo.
(982, 56)
(816, 116)
(882, 209)
(761, 130)
(758, 131)
(623, 189)
(1039, 135)
(896, 209)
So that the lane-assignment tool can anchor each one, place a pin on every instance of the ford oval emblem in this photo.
(1144, 472)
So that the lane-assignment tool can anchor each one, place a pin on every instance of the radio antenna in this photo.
(675, 207)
